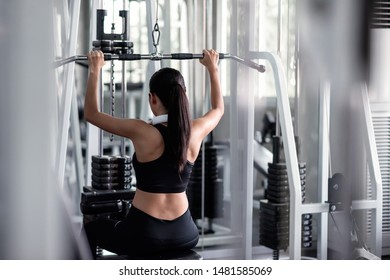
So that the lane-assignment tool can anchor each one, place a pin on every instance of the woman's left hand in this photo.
(96, 60)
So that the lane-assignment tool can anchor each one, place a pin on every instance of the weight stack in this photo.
(213, 205)
(111, 172)
(274, 210)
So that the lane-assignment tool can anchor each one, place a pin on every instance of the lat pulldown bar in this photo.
(174, 56)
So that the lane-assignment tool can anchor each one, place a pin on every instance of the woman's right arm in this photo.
(210, 120)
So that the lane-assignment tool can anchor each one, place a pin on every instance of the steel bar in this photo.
(175, 56)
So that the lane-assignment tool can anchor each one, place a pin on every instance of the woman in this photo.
(159, 218)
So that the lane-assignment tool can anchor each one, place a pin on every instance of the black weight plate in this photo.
(110, 186)
(277, 172)
(277, 183)
(265, 204)
(122, 44)
(279, 188)
(121, 160)
(101, 159)
(111, 173)
(266, 225)
(273, 224)
(282, 166)
(278, 199)
(283, 177)
(273, 217)
(278, 177)
(277, 193)
(276, 188)
(111, 159)
(306, 233)
(306, 222)
(101, 43)
(112, 166)
(306, 244)
(267, 219)
(124, 180)
(279, 235)
(283, 183)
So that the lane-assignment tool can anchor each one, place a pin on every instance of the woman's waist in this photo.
(167, 206)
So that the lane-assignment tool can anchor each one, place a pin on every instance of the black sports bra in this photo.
(161, 175)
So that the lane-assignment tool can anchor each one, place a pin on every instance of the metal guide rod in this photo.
(101, 96)
(123, 95)
(176, 56)
(124, 90)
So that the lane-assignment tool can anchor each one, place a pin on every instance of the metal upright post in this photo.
(249, 120)
(93, 133)
(236, 164)
(67, 100)
(376, 203)
(77, 149)
(323, 168)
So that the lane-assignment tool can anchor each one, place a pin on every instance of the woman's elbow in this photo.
(221, 111)
(89, 116)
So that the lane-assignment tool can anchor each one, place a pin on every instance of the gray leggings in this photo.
(140, 234)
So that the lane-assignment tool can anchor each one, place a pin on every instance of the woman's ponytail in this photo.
(179, 123)
(168, 85)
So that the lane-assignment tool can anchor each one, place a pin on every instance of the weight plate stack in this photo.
(114, 47)
(274, 224)
(274, 211)
(111, 172)
(213, 195)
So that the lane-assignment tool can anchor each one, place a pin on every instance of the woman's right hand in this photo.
(210, 59)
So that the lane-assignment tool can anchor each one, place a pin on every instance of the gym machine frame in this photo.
(296, 206)
(118, 47)
(297, 209)
(124, 37)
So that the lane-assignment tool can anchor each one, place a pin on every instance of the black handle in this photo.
(183, 56)
(130, 57)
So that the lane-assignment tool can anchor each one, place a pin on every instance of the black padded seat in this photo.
(173, 255)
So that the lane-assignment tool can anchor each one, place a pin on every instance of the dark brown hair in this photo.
(168, 84)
